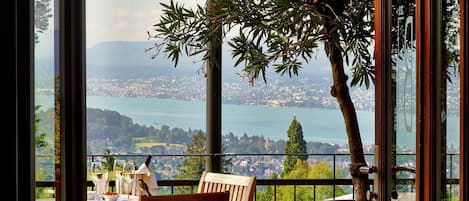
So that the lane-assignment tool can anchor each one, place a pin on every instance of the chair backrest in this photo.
(241, 188)
(215, 196)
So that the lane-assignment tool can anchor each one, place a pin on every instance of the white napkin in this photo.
(103, 184)
(120, 187)
(146, 174)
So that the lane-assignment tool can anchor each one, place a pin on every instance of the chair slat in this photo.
(241, 188)
(231, 191)
(218, 187)
(235, 193)
(210, 187)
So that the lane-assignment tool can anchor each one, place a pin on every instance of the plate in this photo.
(128, 198)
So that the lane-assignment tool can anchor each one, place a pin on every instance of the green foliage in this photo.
(304, 171)
(316, 171)
(192, 167)
(451, 36)
(43, 192)
(279, 33)
(104, 125)
(294, 145)
(108, 160)
(268, 193)
(452, 194)
(42, 13)
(182, 30)
(40, 138)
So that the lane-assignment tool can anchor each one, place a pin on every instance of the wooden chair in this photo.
(241, 188)
(215, 196)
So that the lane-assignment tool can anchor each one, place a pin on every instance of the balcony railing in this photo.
(171, 186)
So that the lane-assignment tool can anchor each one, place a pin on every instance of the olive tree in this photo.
(282, 34)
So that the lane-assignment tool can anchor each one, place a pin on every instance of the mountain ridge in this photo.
(128, 60)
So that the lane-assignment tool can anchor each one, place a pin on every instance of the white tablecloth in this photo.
(121, 197)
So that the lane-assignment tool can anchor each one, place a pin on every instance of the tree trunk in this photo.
(341, 92)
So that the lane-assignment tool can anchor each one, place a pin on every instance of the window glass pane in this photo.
(44, 61)
(135, 104)
(259, 117)
(450, 60)
(404, 77)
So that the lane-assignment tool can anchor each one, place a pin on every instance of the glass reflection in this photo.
(44, 95)
(404, 84)
(450, 61)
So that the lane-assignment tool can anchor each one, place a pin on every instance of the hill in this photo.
(128, 60)
(106, 128)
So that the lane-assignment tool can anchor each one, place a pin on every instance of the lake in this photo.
(322, 125)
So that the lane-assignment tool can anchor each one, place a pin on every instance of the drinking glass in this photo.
(128, 173)
(118, 168)
(96, 173)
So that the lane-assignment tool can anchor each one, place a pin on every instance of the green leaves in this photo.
(173, 50)
(282, 34)
(290, 67)
(181, 30)
(40, 138)
(250, 53)
(357, 32)
(294, 145)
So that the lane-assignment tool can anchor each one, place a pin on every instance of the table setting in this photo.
(130, 182)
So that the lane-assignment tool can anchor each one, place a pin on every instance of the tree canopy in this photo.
(42, 13)
(294, 145)
(282, 34)
(279, 33)
(302, 170)
(192, 167)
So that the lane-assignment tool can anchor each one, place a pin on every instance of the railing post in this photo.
(314, 192)
(333, 170)
(450, 175)
(294, 192)
(275, 192)
(451, 166)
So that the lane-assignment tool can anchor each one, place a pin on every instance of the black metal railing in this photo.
(169, 186)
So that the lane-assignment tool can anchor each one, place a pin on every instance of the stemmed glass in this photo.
(118, 168)
(96, 172)
(128, 173)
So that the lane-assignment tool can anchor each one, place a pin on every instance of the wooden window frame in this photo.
(19, 96)
(383, 100)
(19, 81)
(70, 100)
(464, 110)
(430, 177)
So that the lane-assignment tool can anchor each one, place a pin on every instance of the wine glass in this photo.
(118, 168)
(128, 173)
(96, 172)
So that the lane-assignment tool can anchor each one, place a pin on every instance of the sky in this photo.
(113, 20)
(123, 20)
